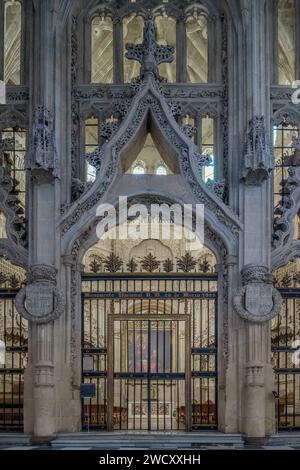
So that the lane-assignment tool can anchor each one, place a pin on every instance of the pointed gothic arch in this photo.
(128, 139)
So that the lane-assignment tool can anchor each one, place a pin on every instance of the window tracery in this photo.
(16, 161)
(187, 24)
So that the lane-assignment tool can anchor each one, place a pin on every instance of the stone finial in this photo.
(149, 53)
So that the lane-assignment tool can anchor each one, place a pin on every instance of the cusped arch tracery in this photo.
(149, 101)
(216, 240)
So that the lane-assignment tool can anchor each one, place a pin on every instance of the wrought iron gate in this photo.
(13, 344)
(286, 359)
(149, 344)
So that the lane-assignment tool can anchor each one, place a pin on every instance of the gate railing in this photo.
(14, 347)
(286, 359)
(173, 294)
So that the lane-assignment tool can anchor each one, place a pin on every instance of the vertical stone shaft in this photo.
(42, 222)
(257, 210)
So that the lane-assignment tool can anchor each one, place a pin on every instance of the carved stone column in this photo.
(41, 302)
(257, 301)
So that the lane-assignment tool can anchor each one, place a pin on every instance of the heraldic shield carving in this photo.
(258, 300)
(40, 301)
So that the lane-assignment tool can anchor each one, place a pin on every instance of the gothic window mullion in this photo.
(82, 162)
(211, 52)
(2, 40)
(87, 56)
(297, 6)
(181, 63)
(198, 131)
(23, 62)
(218, 150)
(274, 43)
(118, 51)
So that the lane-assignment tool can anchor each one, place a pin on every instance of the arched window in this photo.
(12, 42)
(91, 142)
(197, 49)
(286, 42)
(17, 160)
(3, 233)
(166, 35)
(102, 50)
(207, 147)
(132, 33)
(161, 169)
(139, 169)
(283, 137)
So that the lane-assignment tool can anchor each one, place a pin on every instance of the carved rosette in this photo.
(257, 301)
(40, 301)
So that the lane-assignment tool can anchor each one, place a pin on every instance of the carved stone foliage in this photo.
(108, 129)
(288, 208)
(96, 158)
(257, 301)
(218, 187)
(43, 157)
(189, 130)
(9, 202)
(258, 159)
(40, 301)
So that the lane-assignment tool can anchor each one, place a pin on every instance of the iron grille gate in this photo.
(286, 359)
(14, 344)
(158, 371)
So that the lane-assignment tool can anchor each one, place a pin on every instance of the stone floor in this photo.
(152, 441)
